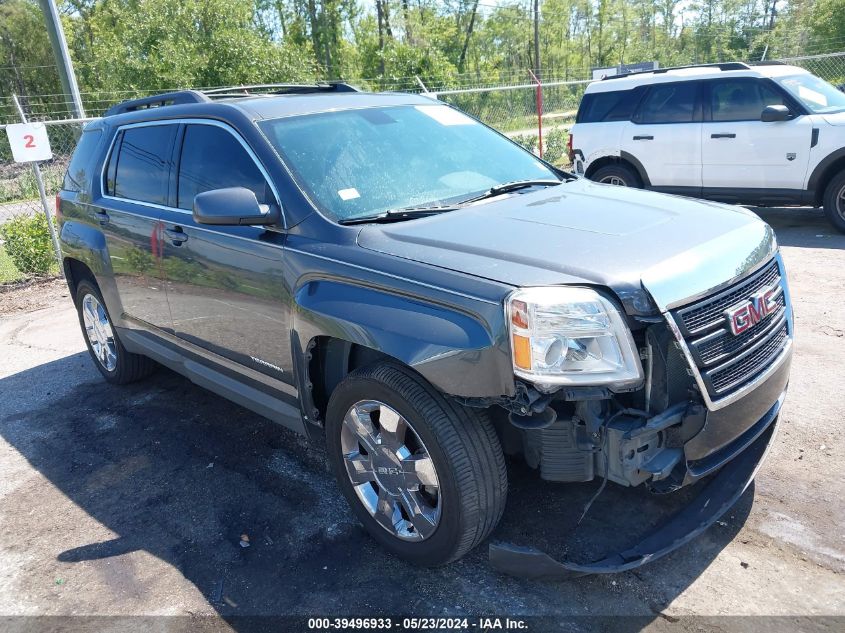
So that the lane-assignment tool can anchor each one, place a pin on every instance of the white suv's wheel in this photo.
(424, 475)
(834, 201)
(617, 174)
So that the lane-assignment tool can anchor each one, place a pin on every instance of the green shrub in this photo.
(528, 141)
(29, 245)
(554, 146)
(8, 272)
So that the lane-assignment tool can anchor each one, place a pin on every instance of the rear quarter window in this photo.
(617, 105)
(78, 174)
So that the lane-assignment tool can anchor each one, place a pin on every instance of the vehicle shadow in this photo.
(802, 227)
(178, 472)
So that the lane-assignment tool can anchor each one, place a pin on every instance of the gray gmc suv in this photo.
(385, 274)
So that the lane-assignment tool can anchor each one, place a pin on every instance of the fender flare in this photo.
(638, 166)
(620, 155)
(820, 171)
(455, 351)
(86, 244)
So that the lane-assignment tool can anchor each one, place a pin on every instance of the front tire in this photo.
(617, 174)
(425, 476)
(834, 201)
(115, 364)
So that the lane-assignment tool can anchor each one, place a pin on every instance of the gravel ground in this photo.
(128, 501)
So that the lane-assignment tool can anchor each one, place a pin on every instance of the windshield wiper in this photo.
(395, 215)
(515, 185)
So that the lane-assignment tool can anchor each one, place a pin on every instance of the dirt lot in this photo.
(132, 501)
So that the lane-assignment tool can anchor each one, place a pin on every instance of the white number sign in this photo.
(29, 142)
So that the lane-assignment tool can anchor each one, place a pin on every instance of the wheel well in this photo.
(330, 360)
(829, 174)
(609, 160)
(76, 271)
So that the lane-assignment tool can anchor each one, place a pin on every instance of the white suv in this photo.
(767, 135)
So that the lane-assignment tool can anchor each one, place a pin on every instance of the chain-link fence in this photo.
(26, 246)
(26, 251)
(830, 67)
(525, 112)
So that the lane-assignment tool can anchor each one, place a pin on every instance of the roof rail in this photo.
(157, 101)
(277, 89)
(204, 96)
(657, 71)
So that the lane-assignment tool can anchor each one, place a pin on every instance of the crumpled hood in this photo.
(837, 119)
(580, 232)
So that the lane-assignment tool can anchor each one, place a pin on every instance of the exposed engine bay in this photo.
(631, 438)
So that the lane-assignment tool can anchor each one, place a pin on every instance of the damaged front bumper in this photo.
(716, 497)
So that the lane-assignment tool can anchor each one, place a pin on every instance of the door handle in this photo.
(644, 137)
(102, 217)
(723, 135)
(177, 236)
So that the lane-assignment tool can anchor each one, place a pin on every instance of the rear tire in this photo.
(618, 174)
(834, 201)
(458, 495)
(112, 360)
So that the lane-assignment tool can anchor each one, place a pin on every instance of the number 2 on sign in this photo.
(30, 140)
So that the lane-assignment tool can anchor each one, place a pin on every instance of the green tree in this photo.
(27, 65)
(157, 44)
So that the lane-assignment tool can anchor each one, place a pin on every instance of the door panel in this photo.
(741, 151)
(665, 135)
(226, 284)
(227, 294)
(137, 182)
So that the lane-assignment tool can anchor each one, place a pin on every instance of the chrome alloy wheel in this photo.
(391, 470)
(99, 332)
(613, 180)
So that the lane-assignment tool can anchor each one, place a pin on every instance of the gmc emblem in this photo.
(746, 315)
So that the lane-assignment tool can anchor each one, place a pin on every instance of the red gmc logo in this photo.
(746, 315)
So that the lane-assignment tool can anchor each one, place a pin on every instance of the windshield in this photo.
(818, 96)
(356, 163)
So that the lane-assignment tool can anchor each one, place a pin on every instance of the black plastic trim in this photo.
(818, 175)
(736, 195)
(638, 166)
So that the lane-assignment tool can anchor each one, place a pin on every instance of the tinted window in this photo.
(741, 99)
(214, 159)
(143, 163)
(76, 178)
(669, 103)
(607, 106)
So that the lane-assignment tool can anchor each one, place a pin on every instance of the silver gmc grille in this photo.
(724, 361)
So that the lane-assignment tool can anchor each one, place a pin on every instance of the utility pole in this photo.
(63, 61)
(537, 37)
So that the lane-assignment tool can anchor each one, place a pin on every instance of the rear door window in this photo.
(143, 164)
(741, 99)
(212, 158)
(669, 103)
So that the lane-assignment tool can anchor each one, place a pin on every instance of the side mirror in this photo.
(775, 113)
(232, 206)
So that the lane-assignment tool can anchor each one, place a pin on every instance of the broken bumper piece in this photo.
(717, 496)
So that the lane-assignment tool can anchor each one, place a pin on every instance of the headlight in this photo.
(571, 336)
